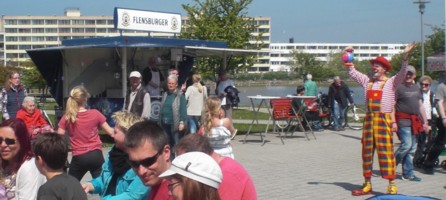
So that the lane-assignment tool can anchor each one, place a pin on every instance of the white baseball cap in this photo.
(135, 74)
(197, 166)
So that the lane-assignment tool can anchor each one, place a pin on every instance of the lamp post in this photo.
(421, 6)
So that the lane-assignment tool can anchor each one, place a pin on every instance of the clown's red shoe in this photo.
(365, 190)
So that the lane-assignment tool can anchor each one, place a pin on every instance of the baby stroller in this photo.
(422, 150)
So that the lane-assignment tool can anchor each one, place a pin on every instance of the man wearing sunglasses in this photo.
(149, 156)
(380, 102)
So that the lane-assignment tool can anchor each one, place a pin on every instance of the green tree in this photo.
(435, 42)
(221, 20)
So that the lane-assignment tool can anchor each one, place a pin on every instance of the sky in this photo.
(306, 21)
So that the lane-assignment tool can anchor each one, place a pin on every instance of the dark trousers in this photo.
(81, 164)
(437, 146)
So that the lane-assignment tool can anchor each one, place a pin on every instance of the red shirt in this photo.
(160, 192)
(84, 133)
(236, 183)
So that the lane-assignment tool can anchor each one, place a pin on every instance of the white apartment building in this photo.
(2, 46)
(30, 32)
(281, 58)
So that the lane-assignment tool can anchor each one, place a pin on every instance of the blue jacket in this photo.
(128, 187)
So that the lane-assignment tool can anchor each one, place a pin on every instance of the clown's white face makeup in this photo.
(378, 70)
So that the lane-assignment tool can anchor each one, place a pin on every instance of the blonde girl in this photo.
(218, 129)
(196, 95)
(82, 126)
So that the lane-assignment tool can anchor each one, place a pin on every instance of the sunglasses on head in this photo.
(147, 162)
(8, 141)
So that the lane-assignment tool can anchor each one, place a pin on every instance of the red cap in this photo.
(383, 61)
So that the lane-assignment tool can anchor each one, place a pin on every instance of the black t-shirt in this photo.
(61, 187)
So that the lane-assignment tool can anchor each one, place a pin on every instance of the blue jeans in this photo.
(404, 153)
(174, 137)
(192, 123)
(338, 114)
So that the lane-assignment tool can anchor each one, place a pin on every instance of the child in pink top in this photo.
(82, 127)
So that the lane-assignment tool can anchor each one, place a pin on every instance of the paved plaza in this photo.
(326, 168)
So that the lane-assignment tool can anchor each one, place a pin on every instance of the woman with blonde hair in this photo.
(196, 95)
(82, 127)
(217, 128)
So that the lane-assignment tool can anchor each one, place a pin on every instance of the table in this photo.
(264, 100)
(301, 112)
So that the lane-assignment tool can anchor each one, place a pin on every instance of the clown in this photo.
(377, 132)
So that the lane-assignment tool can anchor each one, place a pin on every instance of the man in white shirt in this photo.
(223, 83)
(137, 100)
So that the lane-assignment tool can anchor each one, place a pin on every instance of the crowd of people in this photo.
(186, 152)
(142, 163)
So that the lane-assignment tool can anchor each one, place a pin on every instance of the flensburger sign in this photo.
(142, 20)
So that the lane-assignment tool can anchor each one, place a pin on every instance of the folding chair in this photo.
(281, 115)
(300, 117)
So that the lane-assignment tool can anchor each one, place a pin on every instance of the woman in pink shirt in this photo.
(82, 126)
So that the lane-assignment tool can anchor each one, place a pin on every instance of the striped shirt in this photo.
(388, 96)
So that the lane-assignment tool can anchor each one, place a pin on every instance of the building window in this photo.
(11, 22)
(90, 30)
(101, 22)
(112, 30)
(11, 39)
(264, 22)
(38, 22)
(10, 30)
(263, 30)
(24, 22)
(23, 55)
(24, 47)
(110, 22)
(374, 47)
(24, 30)
(51, 38)
(38, 46)
(78, 30)
(38, 38)
(38, 30)
(101, 30)
(11, 55)
(64, 38)
(25, 38)
(364, 47)
(64, 22)
(90, 22)
(51, 22)
(64, 30)
(51, 30)
(11, 47)
(78, 22)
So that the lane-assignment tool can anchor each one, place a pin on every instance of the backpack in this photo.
(232, 96)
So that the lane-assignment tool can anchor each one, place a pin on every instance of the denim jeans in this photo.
(405, 152)
(338, 114)
(192, 123)
(174, 137)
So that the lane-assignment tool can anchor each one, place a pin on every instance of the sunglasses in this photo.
(172, 186)
(8, 141)
(425, 84)
(146, 162)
